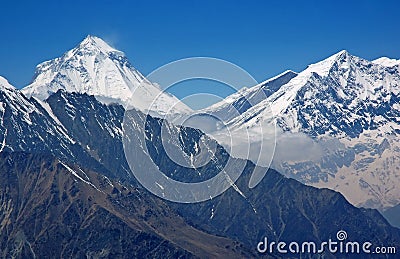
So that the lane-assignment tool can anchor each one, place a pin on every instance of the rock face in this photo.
(29, 124)
(275, 208)
(59, 192)
(49, 209)
(350, 107)
(348, 104)
(67, 190)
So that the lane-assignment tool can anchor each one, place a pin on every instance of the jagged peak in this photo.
(94, 42)
(95, 68)
(342, 53)
(4, 84)
(88, 44)
(323, 67)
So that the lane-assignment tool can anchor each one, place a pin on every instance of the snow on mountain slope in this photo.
(387, 62)
(245, 98)
(4, 84)
(342, 81)
(14, 101)
(29, 125)
(17, 111)
(347, 109)
(95, 68)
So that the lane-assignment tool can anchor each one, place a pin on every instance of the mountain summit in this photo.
(93, 42)
(347, 108)
(95, 68)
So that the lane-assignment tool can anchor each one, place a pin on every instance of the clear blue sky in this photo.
(263, 37)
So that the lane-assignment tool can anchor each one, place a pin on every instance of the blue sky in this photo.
(263, 37)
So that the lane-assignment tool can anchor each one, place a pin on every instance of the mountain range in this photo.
(67, 188)
(345, 112)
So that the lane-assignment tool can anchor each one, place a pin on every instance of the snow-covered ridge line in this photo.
(343, 111)
(91, 40)
(95, 68)
(49, 111)
(387, 62)
(4, 84)
(245, 91)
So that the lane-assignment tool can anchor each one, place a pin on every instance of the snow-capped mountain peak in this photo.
(93, 42)
(387, 62)
(11, 96)
(350, 107)
(323, 67)
(4, 84)
(95, 68)
(286, 84)
(282, 98)
(91, 46)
